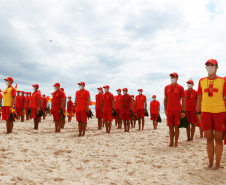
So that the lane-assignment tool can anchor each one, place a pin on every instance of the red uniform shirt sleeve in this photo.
(182, 92)
(224, 88)
(199, 89)
(13, 92)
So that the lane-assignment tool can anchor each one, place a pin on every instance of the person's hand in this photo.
(182, 115)
(86, 110)
(166, 112)
(10, 110)
(198, 117)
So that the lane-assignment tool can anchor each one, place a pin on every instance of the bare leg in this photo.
(142, 123)
(210, 146)
(44, 115)
(22, 118)
(219, 148)
(177, 131)
(188, 132)
(192, 131)
(99, 124)
(11, 126)
(109, 127)
(128, 125)
(139, 122)
(84, 124)
(106, 125)
(55, 125)
(171, 133)
(59, 125)
(201, 132)
(124, 122)
(7, 127)
(80, 128)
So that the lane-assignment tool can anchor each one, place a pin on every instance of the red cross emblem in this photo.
(210, 90)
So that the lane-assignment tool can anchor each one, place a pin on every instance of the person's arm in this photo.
(135, 105)
(145, 104)
(183, 107)
(199, 100)
(159, 109)
(71, 106)
(88, 102)
(38, 103)
(131, 104)
(62, 103)
(13, 101)
(165, 104)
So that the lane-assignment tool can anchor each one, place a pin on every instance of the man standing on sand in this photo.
(65, 100)
(154, 111)
(212, 112)
(35, 105)
(126, 107)
(82, 101)
(98, 108)
(57, 106)
(190, 109)
(108, 108)
(173, 109)
(44, 104)
(9, 98)
(69, 108)
(140, 106)
(118, 108)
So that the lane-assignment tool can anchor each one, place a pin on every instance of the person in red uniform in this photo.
(44, 105)
(212, 112)
(126, 107)
(29, 94)
(57, 106)
(27, 104)
(9, 98)
(69, 108)
(108, 108)
(35, 105)
(98, 108)
(21, 105)
(82, 101)
(140, 106)
(190, 109)
(17, 104)
(154, 111)
(0, 103)
(133, 120)
(65, 100)
(174, 111)
(118, 108)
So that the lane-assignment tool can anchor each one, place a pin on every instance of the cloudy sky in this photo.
(133, 44)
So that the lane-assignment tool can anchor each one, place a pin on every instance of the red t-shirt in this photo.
(69, 104)
(141, 99)
(81, 99)
(56, 100)
(44, 104)
(174, 95)
(118, 101)
(27, 100)
(191, 100)
(21, 102)
(18, 99)
(98, 101)
(134, 105)
(154, 105)
(1, 97)
(34, 99)
(125, 101)
(107, 101)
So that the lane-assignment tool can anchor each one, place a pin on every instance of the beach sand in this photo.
(138, 157)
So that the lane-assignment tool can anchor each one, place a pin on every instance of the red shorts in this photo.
(33, 112)
(140, 113)
(99, 113)
(81, 116)
(191, 116)
(5, 113)
(19, 110)
(215, 121)
(125, 116)
(154, 117)
(118, 111)
(43, 109)
(56, 115)
(107, 116)
(173, 118)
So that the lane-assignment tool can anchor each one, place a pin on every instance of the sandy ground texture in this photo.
(138, 157)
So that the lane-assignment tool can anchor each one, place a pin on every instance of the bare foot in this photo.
(188, 140)
(170, 145)
(176, 145)
(216, 167)
(209, 167)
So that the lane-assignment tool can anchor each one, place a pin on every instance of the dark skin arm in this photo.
(131, 104)
(87, 106)
(12, 103)
(199, 100)
(183, 107)
(165, 104)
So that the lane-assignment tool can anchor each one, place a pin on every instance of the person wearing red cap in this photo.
(154, 111)
(98, 108)
(0, 103)
(69, 108)
(57, 106)
(174, 111)
(17, 104)
(108, 108)
(64, 108)
(27, 104)
(118, 119)
(126, 107)
(82, 101)
(21, 105)
(35, 105)
(133, 120)
(190, 109)
(212, 112)
(140, 105)
(44, 105)
(9, 98)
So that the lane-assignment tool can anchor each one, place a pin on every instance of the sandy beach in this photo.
(44, 157)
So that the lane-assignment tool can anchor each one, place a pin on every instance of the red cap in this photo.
(106, 86)
(52, 93)
(56, 84)
(174, 74)
(99, 88)
(125, 89)
(22, 92)
(9, 79)
(29, 93)
(118, 90)
(212, 61)
(132, 95)
(62, 89)
(81, 83)
(190, 82)
(18, 91)
(43, 95)
(35, 85)
(154, 96)
(69, 96)
(140, 89)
